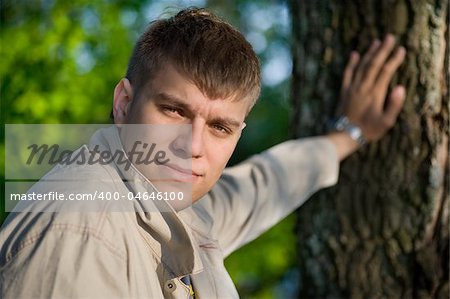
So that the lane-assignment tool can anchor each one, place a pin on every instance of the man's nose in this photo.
(189, 142)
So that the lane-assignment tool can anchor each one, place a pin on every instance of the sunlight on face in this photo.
(216, 125)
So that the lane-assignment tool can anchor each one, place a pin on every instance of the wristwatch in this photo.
(343, 124)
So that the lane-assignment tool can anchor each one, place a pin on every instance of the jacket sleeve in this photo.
(256, 194)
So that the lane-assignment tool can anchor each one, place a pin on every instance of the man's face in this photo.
(216, 124)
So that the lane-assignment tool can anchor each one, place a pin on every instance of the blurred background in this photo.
(60, 61)
(382, 232)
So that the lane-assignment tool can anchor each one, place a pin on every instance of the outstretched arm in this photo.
(363, 95)
(253, 196)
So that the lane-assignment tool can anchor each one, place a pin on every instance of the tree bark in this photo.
(383, 231)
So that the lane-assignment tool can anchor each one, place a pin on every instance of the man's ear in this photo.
(241, 129)
(123, 95)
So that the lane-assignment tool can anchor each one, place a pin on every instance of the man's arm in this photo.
(363, 95)
(255, 195)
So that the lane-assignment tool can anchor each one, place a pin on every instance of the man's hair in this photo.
(204, 48)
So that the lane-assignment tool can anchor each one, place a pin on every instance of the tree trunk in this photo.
(383, 231)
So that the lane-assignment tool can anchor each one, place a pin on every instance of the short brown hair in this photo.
(209, 51)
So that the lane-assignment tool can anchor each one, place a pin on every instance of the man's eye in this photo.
(221, 130)
(172, 110)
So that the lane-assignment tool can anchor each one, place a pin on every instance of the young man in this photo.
(191, 69)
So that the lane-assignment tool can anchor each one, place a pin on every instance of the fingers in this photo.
(365, 62)
(374, 66)
(386, 73)
(373, 61)
(395, 104)
(349, 70)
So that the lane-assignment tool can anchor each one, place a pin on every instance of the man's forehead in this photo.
(168, 73)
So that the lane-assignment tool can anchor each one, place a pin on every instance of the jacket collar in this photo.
(178, 247)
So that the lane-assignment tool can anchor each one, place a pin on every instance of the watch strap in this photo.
(343, 124)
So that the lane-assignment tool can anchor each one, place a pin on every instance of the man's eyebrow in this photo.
(173, 100)
(226, 121)
(170, 99)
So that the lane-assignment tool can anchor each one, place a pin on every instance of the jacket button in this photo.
(170, 286)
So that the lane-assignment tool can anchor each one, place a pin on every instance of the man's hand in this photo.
(363, 95)
(365, 86)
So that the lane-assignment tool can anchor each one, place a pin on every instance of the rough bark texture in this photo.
(383, 231)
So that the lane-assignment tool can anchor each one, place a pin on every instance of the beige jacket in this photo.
(143, 255)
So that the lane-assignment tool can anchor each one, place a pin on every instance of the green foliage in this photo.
(258, 267)
(62, 59)
(60, 63)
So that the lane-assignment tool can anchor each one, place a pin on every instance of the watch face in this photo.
(354, 132)
(342, 124)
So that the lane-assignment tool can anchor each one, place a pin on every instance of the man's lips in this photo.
(182, 170)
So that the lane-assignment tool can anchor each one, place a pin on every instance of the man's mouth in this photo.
(183, 172)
